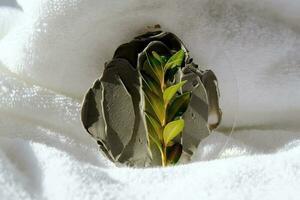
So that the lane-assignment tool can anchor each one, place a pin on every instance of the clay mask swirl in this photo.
(153, 105)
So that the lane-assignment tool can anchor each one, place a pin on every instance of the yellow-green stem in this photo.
(164, 150)
(163, 158)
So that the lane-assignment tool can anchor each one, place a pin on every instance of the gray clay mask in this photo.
(152, 105)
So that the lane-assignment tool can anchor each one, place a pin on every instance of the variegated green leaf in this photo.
(158, 57)
(174, 153)
(154, 138)
(156, 67)
(157, 105)
(154, 125)
(149, 83)
(178, 106)
(172, 129)
(175, 60)
(171, 91)
(148, 108)
(147, 69)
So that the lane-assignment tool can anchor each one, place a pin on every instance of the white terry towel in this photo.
(51, 51)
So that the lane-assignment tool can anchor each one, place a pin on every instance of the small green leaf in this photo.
(171, 91)
(148, 108)
(178, 106)
(156, 66)
(154, 125)
(172, 129)
(173, 153)
(147, 69)
(158, 57)
(149, 83)
(156, 104)
(154, 138)
(175, 60)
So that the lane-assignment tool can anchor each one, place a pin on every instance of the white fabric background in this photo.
(52, 51)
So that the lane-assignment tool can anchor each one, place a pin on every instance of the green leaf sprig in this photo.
(164, 103)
